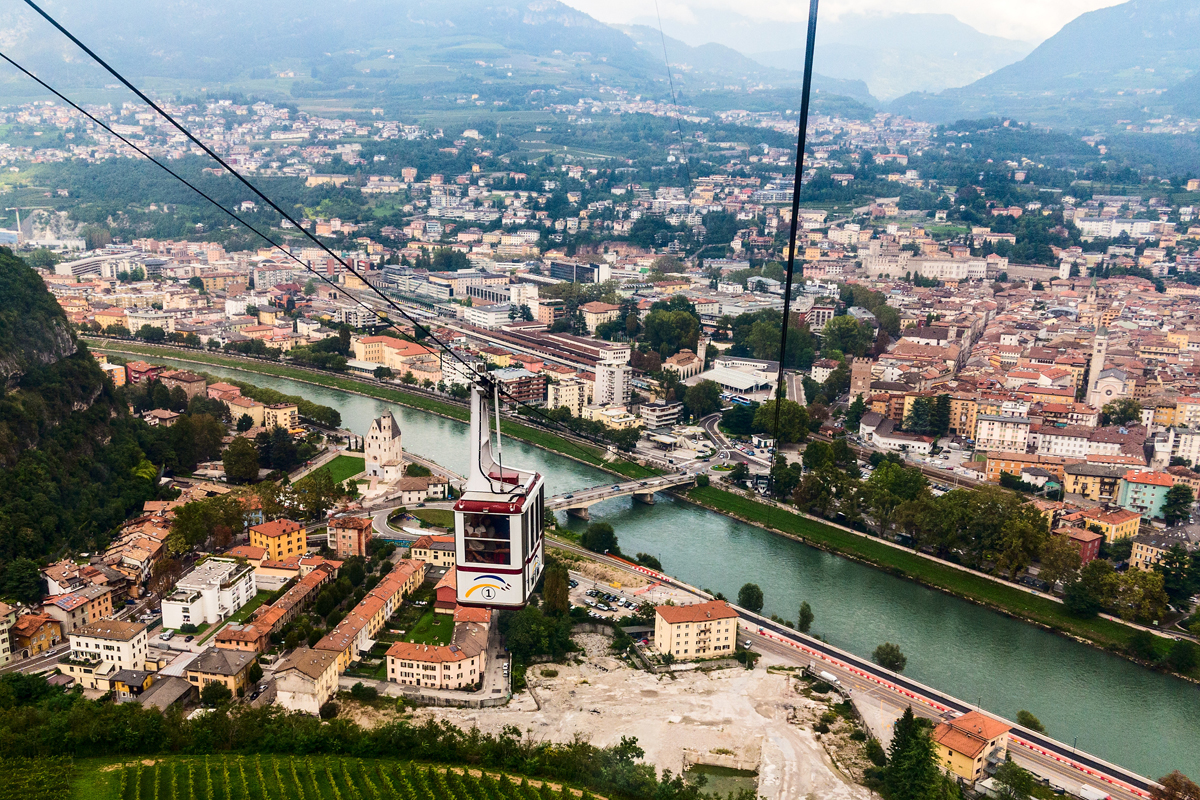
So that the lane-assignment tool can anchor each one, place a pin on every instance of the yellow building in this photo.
(701, 630)
(1114, 525)
(963, 410)
(1149, 548)
(221, 665)
(966, 744)
(35, 633)
(617, 418)
(240, 406)
(280, 538)
(281, 415)
(219, 281)
(1096, 482)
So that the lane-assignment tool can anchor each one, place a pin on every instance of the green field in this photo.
(586, 453)
(435, 517)
(266, 777)
(907, 564)
(432, 628)
(342, 467)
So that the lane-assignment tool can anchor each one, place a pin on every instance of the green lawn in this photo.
(434, 517)
(584, 452)
(432, 628)
(342, 467)
(906, 564)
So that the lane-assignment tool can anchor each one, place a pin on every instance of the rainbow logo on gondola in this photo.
(488, 589)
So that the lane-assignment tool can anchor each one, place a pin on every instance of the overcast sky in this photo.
(1029, 20)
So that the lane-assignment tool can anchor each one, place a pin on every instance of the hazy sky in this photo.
(1030, 20)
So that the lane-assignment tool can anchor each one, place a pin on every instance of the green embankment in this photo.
(586, 453)
(906, 564)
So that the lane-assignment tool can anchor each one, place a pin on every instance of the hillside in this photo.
(410, 56)
(69, 451)
(1147, 46)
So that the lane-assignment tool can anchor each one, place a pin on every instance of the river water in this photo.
(1123, 713)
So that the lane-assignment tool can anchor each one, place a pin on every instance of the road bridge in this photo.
(577, 503)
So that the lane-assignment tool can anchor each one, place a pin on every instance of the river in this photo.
(1119, 711)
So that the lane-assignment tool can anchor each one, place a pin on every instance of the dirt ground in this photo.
(725, 710)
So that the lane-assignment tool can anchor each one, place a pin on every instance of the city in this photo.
(877, 479)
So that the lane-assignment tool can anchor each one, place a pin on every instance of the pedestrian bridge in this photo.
(577, 503)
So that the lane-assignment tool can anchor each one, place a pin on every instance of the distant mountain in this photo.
(721, 60)
(1102, 65)
(892, 54)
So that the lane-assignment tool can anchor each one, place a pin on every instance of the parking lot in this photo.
(602, 601)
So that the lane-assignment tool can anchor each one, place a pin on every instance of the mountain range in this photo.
(1133, 61)
(893, 54)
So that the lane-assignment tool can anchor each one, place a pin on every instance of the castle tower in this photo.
(384, 455)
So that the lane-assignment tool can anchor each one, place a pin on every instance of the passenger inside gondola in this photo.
(487, 538)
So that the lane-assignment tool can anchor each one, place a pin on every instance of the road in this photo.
(726, 451)
(587, 497)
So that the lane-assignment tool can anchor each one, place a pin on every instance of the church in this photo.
(385, 457)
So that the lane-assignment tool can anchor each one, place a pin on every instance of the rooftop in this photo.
(697, 612)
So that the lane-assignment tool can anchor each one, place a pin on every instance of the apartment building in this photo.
(281, 415)
(306, 680)
(101, 649)
(80, 607)
(456, 666)
(701, 630)
(210, 593)
(280, 539)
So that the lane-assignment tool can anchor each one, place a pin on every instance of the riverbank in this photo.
(584, 453)
(1103, 633)
(973, 587)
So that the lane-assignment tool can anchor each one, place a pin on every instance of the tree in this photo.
(383, 373)
(215, 693)
(648, 561)
(1028, 720)
(804, 619)
(245, 422)
(555, 591)
(738, 420)
(847, 335)
(912, 770)
(854, 414)
(1060, 561)
(889, 656)
(240, 459)
(1121, 412)
(1180, 578)
(23, 580)
(1177, 505)
(1140, 596)
(1095, 589)
(702, 399)
(1175, 786)
(1014, 782)
(750, 597)
(600, 538)
(793, 421)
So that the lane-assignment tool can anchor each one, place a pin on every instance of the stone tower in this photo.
(860, 377)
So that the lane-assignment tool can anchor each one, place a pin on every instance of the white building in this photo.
(103, 648)
(211, 592)
(1071, 442)
(1003, 433)
(490, 317)
(614, 385)
(381, 445)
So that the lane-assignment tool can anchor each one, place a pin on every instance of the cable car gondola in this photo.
(498, 544)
